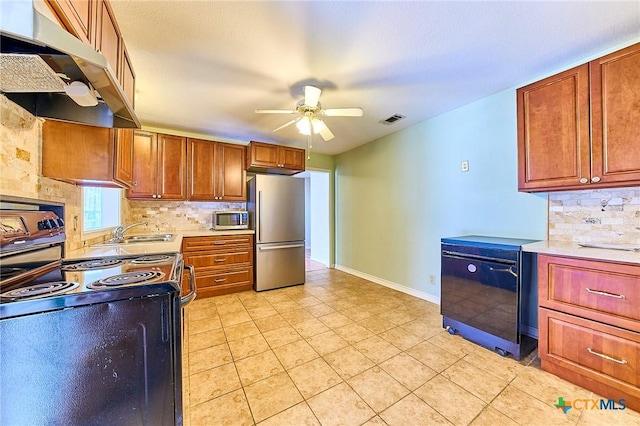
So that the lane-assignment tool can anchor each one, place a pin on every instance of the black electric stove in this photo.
(106, 328)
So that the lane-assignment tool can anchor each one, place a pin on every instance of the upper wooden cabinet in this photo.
(159, 166)
(277, 159)
(108, 39)
(87, 155)
(94, 22)
(216, 171)
(579, 129)
(77, 16)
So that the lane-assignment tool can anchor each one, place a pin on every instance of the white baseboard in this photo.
(411, 291)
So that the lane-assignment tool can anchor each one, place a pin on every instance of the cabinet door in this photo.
(123, 164)
(201, 166)
(77, 16)
(615, 115)
(292, 158)
(108, 38)
(145, 165)
(231, 175)
(553, 131)
(128, 77)
(263, 155)
(172, 167)
(77, 153)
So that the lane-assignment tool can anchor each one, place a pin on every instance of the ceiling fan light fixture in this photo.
(304, 126)
(318, 125)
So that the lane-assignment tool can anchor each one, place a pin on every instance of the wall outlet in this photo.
(432, 279)
(464, 166)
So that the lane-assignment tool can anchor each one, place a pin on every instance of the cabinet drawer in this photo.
(224, 278)
(596, 350)
(591, 288)
(217, 242)
(216, 259)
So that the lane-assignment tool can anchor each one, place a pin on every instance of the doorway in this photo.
(317, 219)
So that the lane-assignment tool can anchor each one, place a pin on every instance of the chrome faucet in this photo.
(118, 232)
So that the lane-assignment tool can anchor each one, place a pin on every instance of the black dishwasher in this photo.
(489, 292)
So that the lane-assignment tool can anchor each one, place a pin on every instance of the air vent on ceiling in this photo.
(392, 119)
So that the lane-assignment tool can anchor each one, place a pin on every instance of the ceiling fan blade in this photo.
(275, 111)
(343, 112)
(326, 134)
(311, 96)
(288, 123)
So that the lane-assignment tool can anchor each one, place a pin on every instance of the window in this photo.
(101, 208)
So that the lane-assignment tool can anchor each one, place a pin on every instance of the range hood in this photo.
(38, 62)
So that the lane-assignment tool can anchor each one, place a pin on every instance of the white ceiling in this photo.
(204, 66)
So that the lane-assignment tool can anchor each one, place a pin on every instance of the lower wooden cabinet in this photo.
(589, 325)
(223, 264)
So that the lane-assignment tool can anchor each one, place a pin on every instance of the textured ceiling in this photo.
(204, 66)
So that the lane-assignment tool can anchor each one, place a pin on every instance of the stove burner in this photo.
(125, 279)
(93, 264)
(158, 258)
(40, 290)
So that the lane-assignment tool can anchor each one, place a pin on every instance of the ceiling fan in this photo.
(309, 111)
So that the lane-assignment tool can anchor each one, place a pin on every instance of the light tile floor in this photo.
(341, 350)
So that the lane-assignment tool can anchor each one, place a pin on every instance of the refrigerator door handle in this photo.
(288, 246)
(259, 221)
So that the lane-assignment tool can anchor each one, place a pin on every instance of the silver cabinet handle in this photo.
(604, 293)
(219, 260)
(219, 280)
(192, 287)
(595, 179)
(619, 361)
(584, 180)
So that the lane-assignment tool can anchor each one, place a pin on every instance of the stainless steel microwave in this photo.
(230, 219)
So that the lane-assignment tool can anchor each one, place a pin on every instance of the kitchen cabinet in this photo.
(159, 166)
(579, 129)
(94, 22)
(223, 263)
(87, 155)
(77, 16)
(216, 171)
(589, 324)
(277, 159)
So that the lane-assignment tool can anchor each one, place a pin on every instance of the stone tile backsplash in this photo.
(168, 216)
(596, 216)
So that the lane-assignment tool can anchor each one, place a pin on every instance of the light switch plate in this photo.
(464, 166)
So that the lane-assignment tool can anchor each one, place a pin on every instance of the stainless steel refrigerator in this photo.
(276, 213)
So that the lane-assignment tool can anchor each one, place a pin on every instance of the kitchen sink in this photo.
(146, 238)
(138, 239)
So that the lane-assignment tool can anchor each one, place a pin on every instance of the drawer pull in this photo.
(219, 260)
(219, 243)
(592, 352)
(221, 280)
(604, 293)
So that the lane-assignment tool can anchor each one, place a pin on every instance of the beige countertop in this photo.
(148, 248)
(556, 248)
